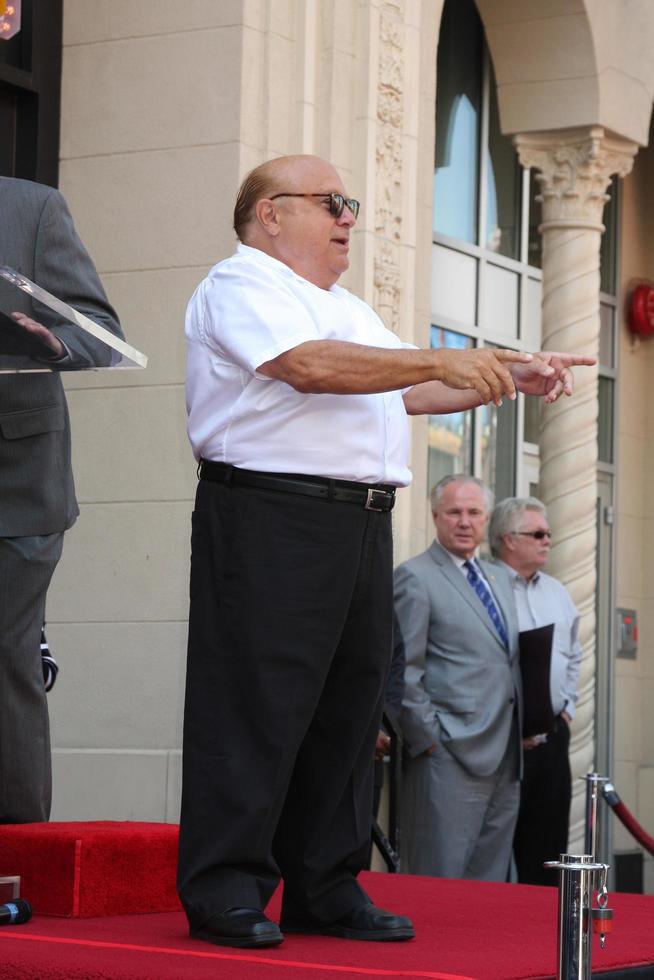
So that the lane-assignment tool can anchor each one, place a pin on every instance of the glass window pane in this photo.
(609, 241)
(498, 447)
(17, 50)
(449, 436)
(535, 244)
(605, 421)
(498, 435)
(503, 185)
(531, 321)
(531, 425)
(501, 288)
(453, 285)
(458, 110)
(607, 333)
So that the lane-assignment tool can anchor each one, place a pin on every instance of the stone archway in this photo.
(545, 66)
(576, 66)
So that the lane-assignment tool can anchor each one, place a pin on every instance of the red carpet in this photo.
(91, 869)
(479, 931)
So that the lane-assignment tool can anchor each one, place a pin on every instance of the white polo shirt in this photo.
(250, 309)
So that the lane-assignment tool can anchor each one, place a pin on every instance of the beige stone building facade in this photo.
(433, 111)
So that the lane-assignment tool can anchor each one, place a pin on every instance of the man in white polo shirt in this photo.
(298, 399)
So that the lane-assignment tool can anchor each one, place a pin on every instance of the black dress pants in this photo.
(289, 646)
(542, 829)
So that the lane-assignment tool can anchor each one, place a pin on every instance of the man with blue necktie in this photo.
(461, 713)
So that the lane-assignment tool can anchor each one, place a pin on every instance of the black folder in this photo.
(535, 659)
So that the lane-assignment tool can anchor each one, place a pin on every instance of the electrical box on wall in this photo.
(627, 645)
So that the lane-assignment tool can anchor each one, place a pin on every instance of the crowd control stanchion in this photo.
(389, 847)
(577, 920)
(593, 784)
(627, 818)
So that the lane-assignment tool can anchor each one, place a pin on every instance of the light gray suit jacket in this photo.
(463, 688)
(37, 238)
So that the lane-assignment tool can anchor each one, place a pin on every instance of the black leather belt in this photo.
(379, 497)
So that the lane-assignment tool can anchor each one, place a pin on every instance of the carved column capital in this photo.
(574, 170)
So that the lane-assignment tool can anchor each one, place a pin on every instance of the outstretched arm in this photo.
(557, 380)
(548, 375)
(482, 375)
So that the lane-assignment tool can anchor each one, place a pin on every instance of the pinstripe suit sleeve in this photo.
(63, 267)
(420, 723)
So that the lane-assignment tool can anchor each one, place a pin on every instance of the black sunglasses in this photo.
(336, 202)
(539, 535)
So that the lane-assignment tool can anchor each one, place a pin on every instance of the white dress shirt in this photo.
(543, 600)
(250, 309)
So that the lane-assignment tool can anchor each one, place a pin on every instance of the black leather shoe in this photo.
(239, 927)
(366, 922)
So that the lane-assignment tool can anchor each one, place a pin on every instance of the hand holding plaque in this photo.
(39, 332)
(37, 337)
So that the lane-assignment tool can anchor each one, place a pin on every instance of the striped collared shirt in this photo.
(542, 600)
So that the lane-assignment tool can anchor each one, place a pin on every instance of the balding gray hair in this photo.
(507, 516)
(436, 494)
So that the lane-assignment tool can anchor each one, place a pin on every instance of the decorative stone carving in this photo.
(575, 169)
(388, 158)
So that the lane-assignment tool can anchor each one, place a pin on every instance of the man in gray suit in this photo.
(38, 239)
(462, 703)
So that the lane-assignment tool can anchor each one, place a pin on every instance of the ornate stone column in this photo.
(389, 158)
(574, 169)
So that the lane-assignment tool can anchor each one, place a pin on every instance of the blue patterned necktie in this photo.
(488, 602)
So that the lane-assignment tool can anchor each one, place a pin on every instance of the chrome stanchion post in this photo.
(593, 782)
(574, 915)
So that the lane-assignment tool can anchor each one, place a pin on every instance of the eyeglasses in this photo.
(539, 535)
(336, 202)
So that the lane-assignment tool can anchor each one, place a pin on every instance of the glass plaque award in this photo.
(90, 346)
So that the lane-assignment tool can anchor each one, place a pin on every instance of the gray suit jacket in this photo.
(463, 687)
(37, 238)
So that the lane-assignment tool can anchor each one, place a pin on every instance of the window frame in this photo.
(526, 453)
(36, 91)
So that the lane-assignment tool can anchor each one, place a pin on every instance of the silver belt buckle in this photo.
(370, 499)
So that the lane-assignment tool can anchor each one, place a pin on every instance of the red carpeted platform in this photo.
(479, 931)
(92, 869)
